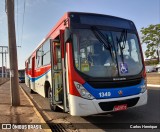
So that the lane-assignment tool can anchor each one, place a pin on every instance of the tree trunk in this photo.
(158, 54)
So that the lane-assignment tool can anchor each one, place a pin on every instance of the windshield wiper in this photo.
(103, 39)
(123, 39)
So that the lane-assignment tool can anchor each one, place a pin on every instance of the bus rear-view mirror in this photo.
(67, 35)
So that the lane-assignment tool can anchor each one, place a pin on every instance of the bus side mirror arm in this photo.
(67, 35)
(54, 41)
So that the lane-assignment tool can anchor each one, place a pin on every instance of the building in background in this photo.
(5, 72)
(152, 65)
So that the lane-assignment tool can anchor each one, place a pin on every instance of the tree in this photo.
(151, 37)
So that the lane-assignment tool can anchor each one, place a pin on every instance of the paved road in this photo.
(149, 113)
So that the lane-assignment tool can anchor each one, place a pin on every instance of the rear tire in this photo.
(31, 91)
(52, 106)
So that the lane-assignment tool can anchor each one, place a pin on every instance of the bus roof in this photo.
(65, 17)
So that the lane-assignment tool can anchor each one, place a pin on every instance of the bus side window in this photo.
(57, 57)
(26, 66)
(39, 57)
(46, 53)
(29, 63)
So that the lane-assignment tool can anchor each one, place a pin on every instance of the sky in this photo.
(35, 18)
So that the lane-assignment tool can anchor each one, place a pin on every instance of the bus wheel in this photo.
(50, 97)
(31, 91)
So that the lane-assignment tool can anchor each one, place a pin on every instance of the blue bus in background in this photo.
(21, 75)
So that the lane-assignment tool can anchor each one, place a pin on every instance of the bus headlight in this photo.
(143, 87)
(83, 92)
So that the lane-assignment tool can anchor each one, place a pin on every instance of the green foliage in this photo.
(151, 37)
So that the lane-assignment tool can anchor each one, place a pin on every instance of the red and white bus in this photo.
(89, 64)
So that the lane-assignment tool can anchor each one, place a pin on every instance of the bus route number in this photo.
(105, 94)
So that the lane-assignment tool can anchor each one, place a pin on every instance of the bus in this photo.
(21, 75)
(89, 64)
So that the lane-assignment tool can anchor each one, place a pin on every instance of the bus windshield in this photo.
(105, 53)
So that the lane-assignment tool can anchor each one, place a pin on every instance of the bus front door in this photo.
(33, 73)
(58, 91)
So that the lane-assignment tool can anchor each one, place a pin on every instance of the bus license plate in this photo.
(120, 107)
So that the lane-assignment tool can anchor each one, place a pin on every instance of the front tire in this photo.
(31, 91)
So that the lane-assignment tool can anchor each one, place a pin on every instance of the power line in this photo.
(159, 11)
(6, 6)
(23, 21)
(17, 24)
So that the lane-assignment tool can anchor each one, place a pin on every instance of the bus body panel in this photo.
(26, 79)
(107, 93)
(42, 75)
(26, 74)
(72, 75)
(40, 82)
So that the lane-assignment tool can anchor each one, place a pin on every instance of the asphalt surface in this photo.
(144, 115)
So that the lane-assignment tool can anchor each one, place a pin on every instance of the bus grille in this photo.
(115, 84)
(108, 106)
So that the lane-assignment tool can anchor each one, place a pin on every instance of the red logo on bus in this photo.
(120, 92)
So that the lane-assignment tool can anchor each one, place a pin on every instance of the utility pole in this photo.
(2, 64)
(15, 99)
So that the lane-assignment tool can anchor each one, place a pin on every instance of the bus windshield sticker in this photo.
(123, 68)
(85, 67)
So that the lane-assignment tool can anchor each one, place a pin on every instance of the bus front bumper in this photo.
(83, 107)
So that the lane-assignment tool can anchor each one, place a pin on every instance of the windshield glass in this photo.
(112, 58)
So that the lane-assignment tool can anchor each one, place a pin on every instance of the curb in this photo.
(58, 127)
(36, 111)
(153, 85)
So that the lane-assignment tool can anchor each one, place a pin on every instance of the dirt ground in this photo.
(153, 78)
(24, 113)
